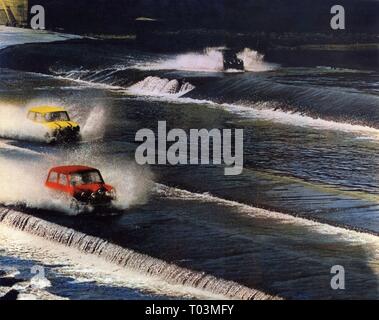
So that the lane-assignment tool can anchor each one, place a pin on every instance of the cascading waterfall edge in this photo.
(128, 258)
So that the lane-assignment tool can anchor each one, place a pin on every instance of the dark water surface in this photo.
(310, 149)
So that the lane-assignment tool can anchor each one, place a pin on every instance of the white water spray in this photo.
(15, 125)
(128, 259)
(155, 86)
(94, 126)
(211, 60)
(22, 181)
(254, 61)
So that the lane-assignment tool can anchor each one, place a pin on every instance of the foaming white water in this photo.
(12, 36)
(22, 181)
(133, 183)
(40, 283)
(15, 125)
(269, 111)
(156, 86)
(211, 60)
(254, 61)
(94, 125)
(88, 268)
(276, 217)
(88, 83)
(128, 258)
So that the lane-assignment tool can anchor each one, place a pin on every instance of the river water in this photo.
(310, 149)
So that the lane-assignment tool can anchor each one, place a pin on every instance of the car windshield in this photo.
(57, 116)
(86, 177)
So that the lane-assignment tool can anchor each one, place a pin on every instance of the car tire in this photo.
(75, 206)
(49, 139)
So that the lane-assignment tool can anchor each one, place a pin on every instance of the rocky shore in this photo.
(13, 287)
(7, 282)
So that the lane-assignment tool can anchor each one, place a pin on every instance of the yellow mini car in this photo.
(57, 123)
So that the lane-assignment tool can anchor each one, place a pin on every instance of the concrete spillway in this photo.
(120, 256)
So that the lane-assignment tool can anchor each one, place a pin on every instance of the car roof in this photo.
(46, 109)
(72, 169)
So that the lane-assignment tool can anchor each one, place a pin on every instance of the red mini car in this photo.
(84, 185)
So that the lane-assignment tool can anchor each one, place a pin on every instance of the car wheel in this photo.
(49, 139)
(75, 206)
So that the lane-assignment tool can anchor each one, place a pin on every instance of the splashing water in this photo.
(89, 272)
(254, 61)
(15, 125)
(156, 86)
(94, 126)
(22, 181)
(128, 259)
(132, 183)
(211, 60)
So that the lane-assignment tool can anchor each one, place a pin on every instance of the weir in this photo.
(127, 258)
(14, 12)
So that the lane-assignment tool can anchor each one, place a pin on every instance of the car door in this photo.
(63, 183)
(39, 118)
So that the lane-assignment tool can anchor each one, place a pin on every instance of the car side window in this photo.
(39, 117)
(53, 177)
(75, 180)
(63, 180)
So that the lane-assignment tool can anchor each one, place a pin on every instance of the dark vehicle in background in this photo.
(231, 61)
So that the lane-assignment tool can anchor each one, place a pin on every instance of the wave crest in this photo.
(156, 86)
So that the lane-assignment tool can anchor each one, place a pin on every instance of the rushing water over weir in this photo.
(142, 263)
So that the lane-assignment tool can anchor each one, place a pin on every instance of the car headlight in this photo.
(112, 194)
